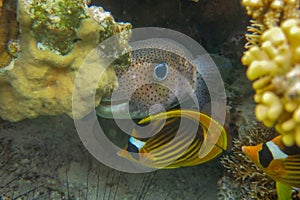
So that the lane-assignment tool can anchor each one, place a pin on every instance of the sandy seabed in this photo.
(44, 159)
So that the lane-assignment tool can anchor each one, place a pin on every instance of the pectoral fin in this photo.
(284, 191)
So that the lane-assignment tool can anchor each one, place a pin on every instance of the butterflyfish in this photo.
(177, 137)
(278, 161)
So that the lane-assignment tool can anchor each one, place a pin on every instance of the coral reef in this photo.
(273, 64)
(272, 12)
(244, 174)
(267, 14)
(55, 24)
(41, 80)
(228, 189)
(8, 31)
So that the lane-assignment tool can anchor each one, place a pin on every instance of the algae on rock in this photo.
(54, 23)
(8, 32)
(41, 80)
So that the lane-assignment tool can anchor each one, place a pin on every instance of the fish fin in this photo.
(124, 154)
(284, 191)
(216, 135)
(145, 155)
(229, 139)
(161, 116)
(127, 155)
(223, 150)
(227, 142)
(291, 166)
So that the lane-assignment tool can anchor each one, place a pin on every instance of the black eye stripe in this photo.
(131, 148)
(265, 156)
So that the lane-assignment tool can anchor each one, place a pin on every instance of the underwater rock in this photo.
(227, 189)
(54, 24)
(41, 80)
(8, 31)
(198, 20)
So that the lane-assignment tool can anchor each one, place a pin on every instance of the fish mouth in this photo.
(122, 108)
(117, 109)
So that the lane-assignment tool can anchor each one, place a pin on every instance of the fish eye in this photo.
(160, 72)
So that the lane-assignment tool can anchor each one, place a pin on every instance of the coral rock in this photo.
(274, 66)
(8, 31)
(41, 80)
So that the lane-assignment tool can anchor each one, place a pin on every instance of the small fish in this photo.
(279, 162)
(177, 140)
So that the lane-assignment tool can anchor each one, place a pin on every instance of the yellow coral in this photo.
(267, 14)
(254, 32)
(272, 12)
(41, 82)
(274, 66)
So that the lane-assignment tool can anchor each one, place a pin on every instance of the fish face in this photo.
(279, 162)
(252, 152)
(151, 84)
(160, 76)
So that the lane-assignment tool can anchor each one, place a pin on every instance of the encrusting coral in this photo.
(252, 181)
(8, 31)
(273, 61)
(55, 24)
(40, 80)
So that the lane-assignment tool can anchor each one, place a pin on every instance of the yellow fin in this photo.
(284, 191)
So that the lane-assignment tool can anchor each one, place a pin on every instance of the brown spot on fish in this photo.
(140, 87)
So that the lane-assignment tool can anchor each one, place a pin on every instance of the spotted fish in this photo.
(161, 73)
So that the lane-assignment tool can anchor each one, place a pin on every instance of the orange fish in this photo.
(176, 141)
(279, 162)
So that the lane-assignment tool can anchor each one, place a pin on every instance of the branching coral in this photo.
(253, 182)
(272, 12)
(41, 80)
(267, 14)
(273, 61)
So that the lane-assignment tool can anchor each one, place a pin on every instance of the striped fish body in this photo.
(176, 141)
(279, 162)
